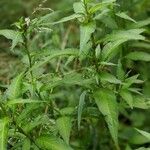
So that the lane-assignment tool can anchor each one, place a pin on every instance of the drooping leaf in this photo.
(68, 18)
(125, 16)
(140, 102)
(54, 54)
(3, 133)
(132, 34)
(132, 80)
(144, 133)
(107, 104)
(107, 77)
(127, 96)
(15, 36)
(139, 56)
(141, 23)
(64, 126)
(15, 89)
(80, 107)
(52, 143)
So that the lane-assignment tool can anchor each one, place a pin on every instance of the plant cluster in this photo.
(82, 85)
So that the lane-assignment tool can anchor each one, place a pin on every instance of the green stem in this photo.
(30, 60)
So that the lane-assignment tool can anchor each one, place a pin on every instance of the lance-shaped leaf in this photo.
(26, 144)
(144, 133)
(3, 133)
(15, 36)
(79, 8)
(139, 56)
(101, 6)
(68, 18)
(85, 34)
(132, 34)
(54, 54)
(107, 104)
(107, 77)
(52, 143)
(15, 89)
(125, 16)
(64, 126)
(23, 101)
(80, 107)
(127, 96)
(140, 24)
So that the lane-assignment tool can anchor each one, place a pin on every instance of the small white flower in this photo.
(27, 20)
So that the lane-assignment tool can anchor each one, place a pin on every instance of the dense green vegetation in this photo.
(74, 75)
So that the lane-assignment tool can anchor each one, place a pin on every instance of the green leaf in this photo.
(120, 71)
(52, 143)
(144, 133)
(111, 49)
(85, 34)
(98, 51)
(67, 111)
(107, 104)
(101, 5)
(3, 133)
(80, 107)
(68, 18)
(107, 77)
(40, 120)
(22, 101)
(53, 55)
(127, 96)
(79, 7)
(15, 89)
(64, 126)
(125, 16)
(139, 56)
(128, 148)
(109, 21)
(26, 144)
(141, 23)
(126, 35)
(140, 102)
(131, 80)
(15, 36)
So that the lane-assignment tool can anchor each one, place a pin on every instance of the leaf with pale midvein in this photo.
(48, 142)
(15, 36)
(107, 104)
(144, 133)
(85, 34)
(64, 126)
(80, 107)
(127, 96)
(125, 16)
(15, 89)
(55, 54)
(3, 133)
(139, 56)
